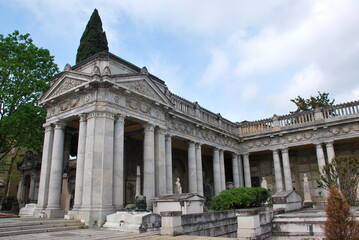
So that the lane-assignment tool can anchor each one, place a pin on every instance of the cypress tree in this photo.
(93, 39)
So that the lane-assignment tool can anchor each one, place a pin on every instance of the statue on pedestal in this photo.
(178, 185)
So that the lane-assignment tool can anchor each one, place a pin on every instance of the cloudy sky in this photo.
(243, 58)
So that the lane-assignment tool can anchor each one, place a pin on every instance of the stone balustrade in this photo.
(276, 123)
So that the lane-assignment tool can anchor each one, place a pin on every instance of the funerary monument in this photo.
(106, 116)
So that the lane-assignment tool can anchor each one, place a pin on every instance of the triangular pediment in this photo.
(146, 88)
(62, 86)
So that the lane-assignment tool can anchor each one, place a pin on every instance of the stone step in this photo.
(34, 222)
(38, 226)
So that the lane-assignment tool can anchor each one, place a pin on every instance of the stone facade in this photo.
(107, 116)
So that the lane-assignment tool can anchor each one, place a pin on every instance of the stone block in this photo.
(28, 210)
(187, 203)
(287, 200)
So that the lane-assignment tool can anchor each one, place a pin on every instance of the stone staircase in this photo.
(21, 226)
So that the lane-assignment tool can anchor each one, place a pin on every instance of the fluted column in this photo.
(216, 172)
(240, 170)
(199, 169)
(330, 151)
(81, 147)
(235, 170)
(56, 170)
(118, 163)
(149, 164)
(277, 171)
(32, 188)
(192, 168)
(320, 156)
(286, 170)
(160, 162)
(45, 169)
(223, 172)
(169, 186)
(247, 170)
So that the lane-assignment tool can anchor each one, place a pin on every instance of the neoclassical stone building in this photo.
(106, 116)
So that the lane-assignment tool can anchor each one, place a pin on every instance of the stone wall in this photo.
(215, 224)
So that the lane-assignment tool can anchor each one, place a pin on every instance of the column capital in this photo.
(235, 155)
(119, 118)
(83, 117)
(60, 125)
(190, 143)
(318, 145)
(48, 127)
(246, 154)
(221, 150)
(275, 151)
(198, 145)
(284, 150)
(148, 127)
(330, 142)
(168, 137)
(160, 130)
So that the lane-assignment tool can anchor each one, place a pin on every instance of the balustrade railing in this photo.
(340, 110)
(194, 110)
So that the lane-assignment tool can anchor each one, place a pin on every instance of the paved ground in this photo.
(92, 234)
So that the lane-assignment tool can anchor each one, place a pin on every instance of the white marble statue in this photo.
(264, 183)
(178, 185)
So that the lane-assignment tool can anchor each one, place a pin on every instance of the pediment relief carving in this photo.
(63, 86)
(144, 88)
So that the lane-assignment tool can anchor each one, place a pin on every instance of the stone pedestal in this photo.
(28, 210)
(253, 224)
(171, 223)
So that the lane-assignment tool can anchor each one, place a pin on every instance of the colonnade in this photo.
(284, 152)
(100, 165)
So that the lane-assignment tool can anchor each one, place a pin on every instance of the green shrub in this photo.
(242, 197)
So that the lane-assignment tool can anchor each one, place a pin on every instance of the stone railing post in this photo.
(275, 121)
(171, 223)
(318, 114)
(249, 226)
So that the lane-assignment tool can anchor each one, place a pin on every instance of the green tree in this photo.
(93, 39)
(342, 173)
(311, 103)
(24, 71)
(340, 223)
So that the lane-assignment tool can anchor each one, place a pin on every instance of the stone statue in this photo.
(178, 185)
(140, 203)
(264, 183)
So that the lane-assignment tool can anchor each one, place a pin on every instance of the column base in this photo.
(95, 217)
(54, 213)
(72, 215)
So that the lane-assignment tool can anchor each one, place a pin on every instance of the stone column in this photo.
(235, 170)
(192, 168)
(320, 156)
(81, 147)
(199, 169)
(20, 191)
(97, 196)
(45, 170)
(118, 163)
(54, 208)
(240, 170)
(216, 172)
(286, 169)
(247, 170)
(330, 151)
(277, 171)
(149, 164)
(32, 188)
(169, 186)
(223, 172)
(160, 162)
